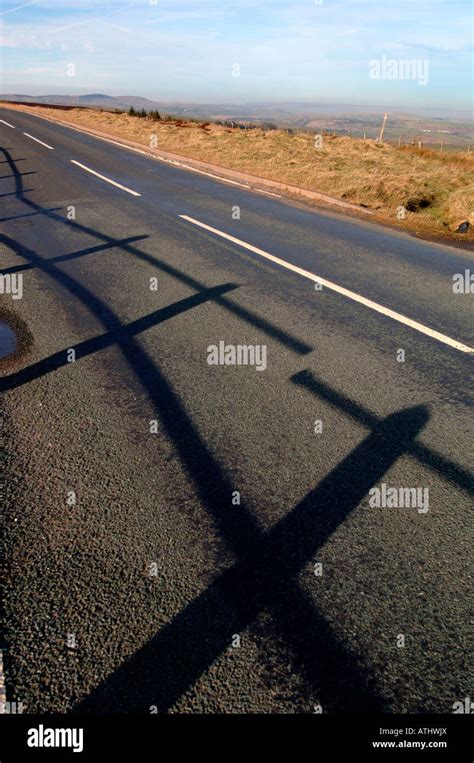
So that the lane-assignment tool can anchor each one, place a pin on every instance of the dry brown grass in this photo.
(437, 189)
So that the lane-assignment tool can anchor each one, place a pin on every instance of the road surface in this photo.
(183, 536)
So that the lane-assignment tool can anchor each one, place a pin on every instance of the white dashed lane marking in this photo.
(38, 141)
(107, 180)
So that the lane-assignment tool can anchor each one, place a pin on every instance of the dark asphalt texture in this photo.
(169, 640)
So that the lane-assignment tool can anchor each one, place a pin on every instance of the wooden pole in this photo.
(382, 129)
(442, 146)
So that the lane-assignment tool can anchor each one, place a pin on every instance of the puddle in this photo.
(7, 340)
(16, 340)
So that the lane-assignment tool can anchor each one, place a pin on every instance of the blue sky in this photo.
(287, 50)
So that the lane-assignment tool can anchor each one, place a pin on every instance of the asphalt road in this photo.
(228, 560)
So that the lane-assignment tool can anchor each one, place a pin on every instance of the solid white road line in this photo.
(38, 140)
(7, 124)
(270, 193)
(339, 289)
(107, 180)
(201, 172)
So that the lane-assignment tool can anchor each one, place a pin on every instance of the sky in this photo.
(241, 51)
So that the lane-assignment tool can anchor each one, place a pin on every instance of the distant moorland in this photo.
(432, 126)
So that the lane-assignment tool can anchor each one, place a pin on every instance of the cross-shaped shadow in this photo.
(265, 578)
(119, 336)
(445, 467)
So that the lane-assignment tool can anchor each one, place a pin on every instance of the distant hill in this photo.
(90, 99)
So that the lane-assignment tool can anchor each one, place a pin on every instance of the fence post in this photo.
(382, 129)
